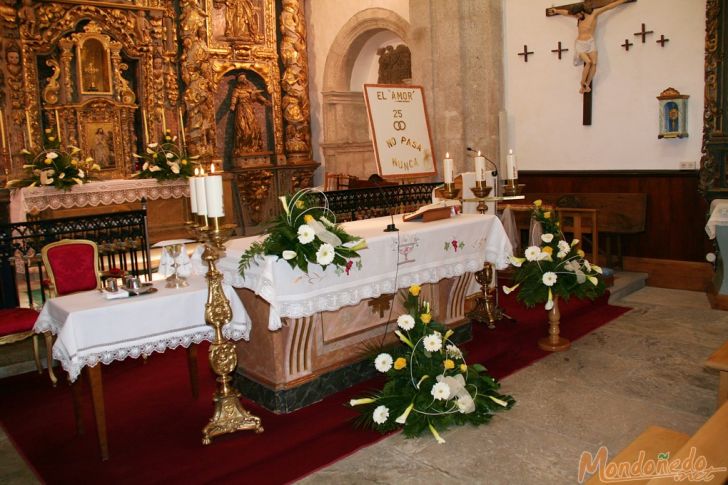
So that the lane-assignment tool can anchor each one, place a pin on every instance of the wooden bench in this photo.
(719, 362)
(708, 442)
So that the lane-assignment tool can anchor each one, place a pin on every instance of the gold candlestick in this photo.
(512, 187)
(229, 415)
(486, 309)
(450, 192)
(481, 192)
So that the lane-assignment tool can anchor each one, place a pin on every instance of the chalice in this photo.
(175, 280)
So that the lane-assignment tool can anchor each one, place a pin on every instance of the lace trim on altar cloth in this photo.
(334, 300)
(73, 365)
(101, 193)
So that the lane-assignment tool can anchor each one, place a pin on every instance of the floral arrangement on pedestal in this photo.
(555, 268)
(430, 386)
(165, 161)
(53, 166)
(304, 233)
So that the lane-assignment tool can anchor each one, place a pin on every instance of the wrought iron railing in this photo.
(120, 236)
(357, 204)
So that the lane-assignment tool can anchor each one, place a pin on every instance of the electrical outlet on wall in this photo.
(688, 165)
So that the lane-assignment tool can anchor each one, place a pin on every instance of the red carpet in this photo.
(154, 425)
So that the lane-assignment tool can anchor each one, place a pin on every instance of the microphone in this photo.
(375, 179)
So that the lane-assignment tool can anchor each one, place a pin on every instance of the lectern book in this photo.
(434, 211)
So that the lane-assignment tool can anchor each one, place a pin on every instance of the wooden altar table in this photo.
(90, 330)
(309, 326)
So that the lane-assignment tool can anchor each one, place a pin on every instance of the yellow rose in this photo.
(47, 161)
(74, 162)
(449, 364)
(547, 215)
(415, 290)
(300, 204)
(580, 253)
(463, 368)
(183, 161)
(400, 363)
(537, 203)
(548, 250)
(51, 138)
(426, 318)
(308, 218)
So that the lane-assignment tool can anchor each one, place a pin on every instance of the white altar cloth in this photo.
(91, 329)
(104, 192)
(419, 253)
(718, 216)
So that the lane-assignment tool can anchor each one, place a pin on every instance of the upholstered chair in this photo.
(16, 324)
(72, 265)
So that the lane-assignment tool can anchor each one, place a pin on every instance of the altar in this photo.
(311, 333)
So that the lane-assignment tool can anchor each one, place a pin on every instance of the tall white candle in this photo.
(193, 193)
(213, 194)
(511, 170)
(479, 167)
(201, 196)
(447, 170)
(30, 132)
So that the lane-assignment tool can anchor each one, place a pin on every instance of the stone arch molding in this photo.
(346, 145)
(350, 40)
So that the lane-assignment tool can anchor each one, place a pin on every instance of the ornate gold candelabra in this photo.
(450, 192)
(486, 310)
(229, 415)
(481, 191)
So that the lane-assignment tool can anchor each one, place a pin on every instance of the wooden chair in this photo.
(16, 324)
(72, 265)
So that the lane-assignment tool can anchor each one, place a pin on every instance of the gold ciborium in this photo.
(229, 415)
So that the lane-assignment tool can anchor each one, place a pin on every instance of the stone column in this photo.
(457, 56)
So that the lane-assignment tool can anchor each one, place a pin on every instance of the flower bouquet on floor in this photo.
(430, 386)
(165, 161)
(555, 268)
(53, 166)
(306, 232)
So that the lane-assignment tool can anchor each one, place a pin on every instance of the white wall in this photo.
(324, 20)
(545, 109)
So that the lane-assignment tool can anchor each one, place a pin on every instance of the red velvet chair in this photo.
(16, 324)
(72, 265)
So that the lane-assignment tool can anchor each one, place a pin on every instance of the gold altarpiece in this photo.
(112, 75)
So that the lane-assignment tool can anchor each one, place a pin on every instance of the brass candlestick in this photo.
(481, 192)
(450, 192)
(486, 310)
(512, 187)
(229, 415)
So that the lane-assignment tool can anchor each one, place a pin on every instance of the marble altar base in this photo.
(313, 357)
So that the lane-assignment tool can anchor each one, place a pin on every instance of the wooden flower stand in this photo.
(554, 343)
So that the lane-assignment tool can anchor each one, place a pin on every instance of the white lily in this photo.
(359, 402)
(289, 255)
(403, 417)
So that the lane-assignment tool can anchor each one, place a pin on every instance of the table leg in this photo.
(192, 367)
(77, 396)
(97, 393)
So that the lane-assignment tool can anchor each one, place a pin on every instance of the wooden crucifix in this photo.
(585, 50)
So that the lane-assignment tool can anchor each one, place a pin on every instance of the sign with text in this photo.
(400, 130)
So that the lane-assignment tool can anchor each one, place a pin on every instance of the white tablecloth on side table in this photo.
(91, 329)
(419, 253)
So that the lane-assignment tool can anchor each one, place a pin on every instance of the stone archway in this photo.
(346, 144)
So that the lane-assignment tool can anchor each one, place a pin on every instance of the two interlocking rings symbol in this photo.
(399, 125)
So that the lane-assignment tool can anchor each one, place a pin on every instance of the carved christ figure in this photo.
(585, 50)
(241, 20)
(248, 136)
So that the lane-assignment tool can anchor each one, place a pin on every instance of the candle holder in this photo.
(512, 187)
(175, 280)
(229, 415)
(486, 309)
(481, 192)
(450, 192)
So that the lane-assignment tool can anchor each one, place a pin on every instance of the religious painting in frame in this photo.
(400, 131)
(100, 144)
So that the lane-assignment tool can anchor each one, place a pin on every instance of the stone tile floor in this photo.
(642, 369)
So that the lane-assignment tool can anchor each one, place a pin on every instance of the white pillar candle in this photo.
(511, 170)
(213, 194)
(193, 193)
(447, 169)
(479, 167)
(201, 196)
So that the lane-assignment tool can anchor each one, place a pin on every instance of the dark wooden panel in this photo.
(676, 212)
